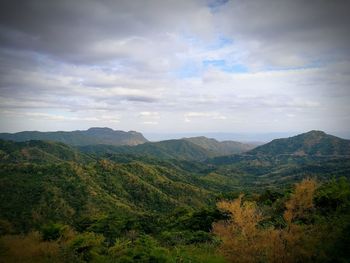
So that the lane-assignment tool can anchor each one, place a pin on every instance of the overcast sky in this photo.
(175, 66)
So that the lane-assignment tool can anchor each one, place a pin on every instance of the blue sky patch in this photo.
(224, 66)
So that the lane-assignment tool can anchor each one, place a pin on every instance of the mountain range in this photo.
(196, 148)
(106, 140)
(91, 136)
(98, 140)
(169, 149)
(47, 180)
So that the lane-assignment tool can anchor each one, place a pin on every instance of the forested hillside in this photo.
(48, 173)
(156, 202)
(169, 149)
(310, 143)
(88, 137)
(221, 148)
(39, 152)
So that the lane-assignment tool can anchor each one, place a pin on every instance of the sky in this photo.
(175, 66)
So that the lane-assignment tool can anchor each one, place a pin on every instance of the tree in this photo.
(245, 239)
(242, 240)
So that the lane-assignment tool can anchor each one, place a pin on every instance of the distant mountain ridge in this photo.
(85, 180)
(168, 149)
(91, 136)
(316, 143)
(220, 148)
(195, 148)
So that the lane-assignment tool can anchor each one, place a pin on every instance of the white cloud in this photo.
(149, 114)
(150, 122)
(211, 115)
(117, 63)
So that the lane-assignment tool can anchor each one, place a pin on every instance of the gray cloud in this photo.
(93, 31)
(289, 33)
(238, 65)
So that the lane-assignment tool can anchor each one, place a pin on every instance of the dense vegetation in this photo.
(310, 224)
(160, 204)
(310, 143)
(221, 148)
(91, 136)
(169, 149)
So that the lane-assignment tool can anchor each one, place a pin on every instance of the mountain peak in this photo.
(96, 129)
(315, 132)
(310, 143)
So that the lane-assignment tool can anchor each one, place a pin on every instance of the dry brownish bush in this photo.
(28, 248)
(245, 240)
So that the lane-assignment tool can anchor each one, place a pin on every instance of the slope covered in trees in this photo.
(37, 184)
(39, 152)
(220, 148)
(288, 228)
(310, 143)
(105, 203)
(88, 137)
(307, 223)
(169, 149)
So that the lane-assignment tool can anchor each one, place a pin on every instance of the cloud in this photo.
(150, 117)
(288, 33)
(211, 115)
(56, 117)
(149, 114)
(107, 30)
(150, 122)
(237, 64)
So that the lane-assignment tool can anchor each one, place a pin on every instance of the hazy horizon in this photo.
(180, 67)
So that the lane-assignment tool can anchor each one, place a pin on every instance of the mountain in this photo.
(220, 148)
(311, 143)
(78, 138)
(41, 181)
(195, 148)
(284, 161)
(169, 149)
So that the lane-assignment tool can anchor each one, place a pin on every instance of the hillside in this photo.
(42, 181)
(310, 143)
(169, 149)
(284, 161)
(39, 152)
(91, 136)
(165, 190)
(271, 171)
(147, 178)
(220, 148)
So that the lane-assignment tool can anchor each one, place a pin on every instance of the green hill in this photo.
(285, 161)
(39, 152)
(78, 138)
(220, 148)
(169, 149)
(114, 203)
(261, 171)
(43, 181)
(310, 143)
